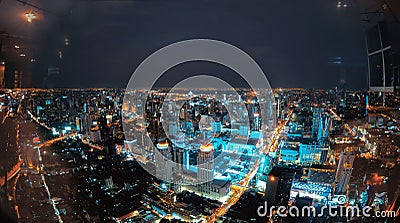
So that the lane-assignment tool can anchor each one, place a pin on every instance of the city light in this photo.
(341, 4)
(30, 16)
(182, 154)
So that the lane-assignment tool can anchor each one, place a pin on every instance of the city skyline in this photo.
(326, 148)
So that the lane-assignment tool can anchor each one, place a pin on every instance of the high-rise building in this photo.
(216, 127)
(244, 130)
(317, 112)
(162, 159)
(109, 183)
(205, 171)
(279, 184)
(86, 123)
(173, 129)
(12, 75)
(95, 134)
(256, 122)
(324, 128)
(181, 156)
(321, 125)
(343, 172)
(79, 124)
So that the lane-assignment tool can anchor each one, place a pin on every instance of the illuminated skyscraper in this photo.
(79, 124)
(257, 122)
(316, 121)
(109, 183)
(324, 128)
(162, 157)
(95, 134)
(181, 156)
(205, 163)
(216, 127)
(343, 172)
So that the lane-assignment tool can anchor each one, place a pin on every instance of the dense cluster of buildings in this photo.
(317, 156)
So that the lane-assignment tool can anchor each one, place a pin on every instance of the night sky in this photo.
(298, 43)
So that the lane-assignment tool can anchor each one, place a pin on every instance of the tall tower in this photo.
(316, 121)
(205, 162)
(181, 156)
(343, 172)
(164, 169)
(324, 128)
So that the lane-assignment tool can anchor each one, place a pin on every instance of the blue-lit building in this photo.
(311, 152)
(321, 125)
(317, 191)
(188, 128)
(325, 125)
(216, 127)
(289, 155)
